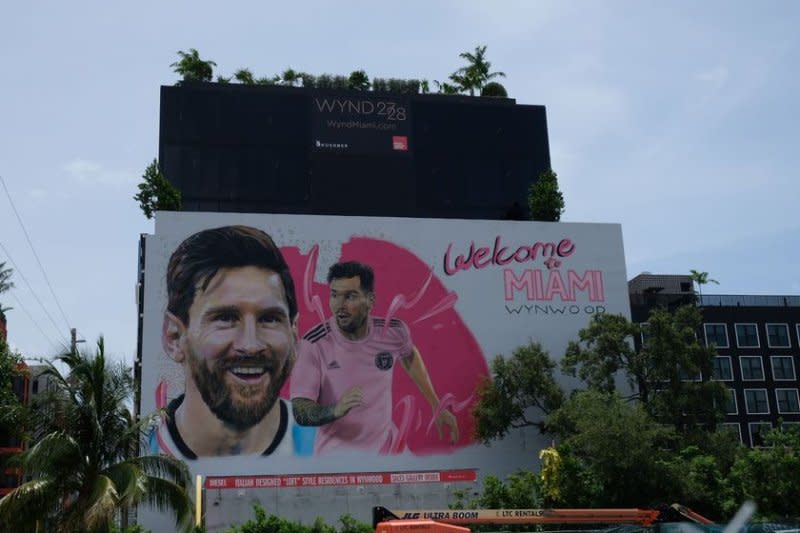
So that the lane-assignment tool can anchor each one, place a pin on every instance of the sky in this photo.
(676, 119)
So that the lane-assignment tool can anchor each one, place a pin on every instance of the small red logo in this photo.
(400, 142)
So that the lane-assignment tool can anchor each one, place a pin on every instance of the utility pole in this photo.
(74, 340)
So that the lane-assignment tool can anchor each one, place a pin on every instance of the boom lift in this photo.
(449, 520)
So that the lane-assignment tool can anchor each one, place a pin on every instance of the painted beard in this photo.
(241, 408)
(350, 323)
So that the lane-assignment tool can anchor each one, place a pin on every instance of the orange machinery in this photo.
(445, 520)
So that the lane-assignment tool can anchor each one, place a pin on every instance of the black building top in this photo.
(230, 147)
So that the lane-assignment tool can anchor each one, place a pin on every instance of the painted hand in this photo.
(351, 398)
(446, 418)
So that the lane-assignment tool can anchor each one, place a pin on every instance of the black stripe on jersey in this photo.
(395, 323)
(317, 332)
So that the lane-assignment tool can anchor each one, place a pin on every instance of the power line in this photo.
(30, 317)
(41, 267)
(30, 288)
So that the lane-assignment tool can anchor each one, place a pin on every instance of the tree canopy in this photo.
(192, 68)
(522, 390)
(545, 200)
(156, 193)
(670, 374)
(473, 78)
(81, 468)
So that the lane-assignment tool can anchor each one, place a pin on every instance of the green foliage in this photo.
(5, 285)
(265, 523)
(494, 89)
(81, 473)
(520, 490)
(244, 76)
(667, 361)
(348, 524)
(442, 87)
(324, 81)
(519, 383)
(617, 443)
(290, 77)
(476, 74)
(701, 278)
(696, 478)
(5, 278)
(768, 477)
(358, 81)
(545, 201)
(192, 68)
(156, 193)
(13, 415)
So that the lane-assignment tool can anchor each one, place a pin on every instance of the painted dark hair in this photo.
(197, 260)
(351, 269)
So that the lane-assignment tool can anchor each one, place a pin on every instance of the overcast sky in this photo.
(678, 120)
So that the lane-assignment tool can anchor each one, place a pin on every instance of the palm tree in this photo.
(5, 285)
(477, 73)
(244, 76)
(701, 278)
(5, 278)
(82, 470)
(192, 68)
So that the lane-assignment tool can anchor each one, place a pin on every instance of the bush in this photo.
(264, 523)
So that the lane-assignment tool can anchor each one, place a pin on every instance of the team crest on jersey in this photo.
(384, 360)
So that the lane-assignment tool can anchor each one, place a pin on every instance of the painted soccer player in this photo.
(343, 377)
(231, 322)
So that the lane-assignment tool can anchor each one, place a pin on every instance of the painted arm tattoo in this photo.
(310, 413)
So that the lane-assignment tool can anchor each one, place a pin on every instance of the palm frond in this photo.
(53, 454)
(101, 506)
(164, 466)
(167, 496)
(130, 481)
(21, 507)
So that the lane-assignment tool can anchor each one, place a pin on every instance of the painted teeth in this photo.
(248, 370)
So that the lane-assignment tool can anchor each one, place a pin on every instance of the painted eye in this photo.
(271, 318)
(226, 317)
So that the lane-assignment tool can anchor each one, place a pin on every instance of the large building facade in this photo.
(757, 339)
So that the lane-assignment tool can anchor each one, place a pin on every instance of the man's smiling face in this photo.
(240, 343)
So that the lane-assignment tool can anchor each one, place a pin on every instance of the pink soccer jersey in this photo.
(328, 364)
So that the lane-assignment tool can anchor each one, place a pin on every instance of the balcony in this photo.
(747, 300)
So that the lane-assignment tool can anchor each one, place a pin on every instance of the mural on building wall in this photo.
(351, 344)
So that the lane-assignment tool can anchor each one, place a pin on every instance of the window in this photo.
(755, 401)
(788, 401)
(757, 432)
(716, 334)
(722, 368)
(35, 387)
(778, 336)
(687, 375)
(746, 336)
(646, 335)
(752, 367)
(736, 429)
(790, 426)
(730, 406)
(782, 367)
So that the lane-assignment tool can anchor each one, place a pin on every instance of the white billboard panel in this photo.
(384, 377)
